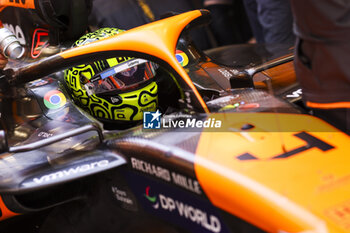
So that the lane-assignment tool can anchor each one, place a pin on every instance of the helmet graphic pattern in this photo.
(127, 106)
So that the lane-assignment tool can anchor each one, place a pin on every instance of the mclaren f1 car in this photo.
(229, 149)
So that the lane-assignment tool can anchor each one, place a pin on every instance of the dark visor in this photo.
(120, 77)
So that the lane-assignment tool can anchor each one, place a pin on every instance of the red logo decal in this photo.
(40, 41)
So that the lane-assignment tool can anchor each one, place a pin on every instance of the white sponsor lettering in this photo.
(17, 31)
(186, 183)
(191, 123)
(45, 134)
(295, 94)
(70, 171)
(150, 169)
(129, 64)
(225, 73)
(163, 173)
(191, 213)
(122, 196)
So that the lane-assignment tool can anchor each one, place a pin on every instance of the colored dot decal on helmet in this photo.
(181, 57)
(54, 99)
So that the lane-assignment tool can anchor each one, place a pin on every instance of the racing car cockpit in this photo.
(54, 144)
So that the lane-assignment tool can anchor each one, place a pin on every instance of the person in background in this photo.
(129, 14)
(229, 23)
(271, 21)
(322, 58)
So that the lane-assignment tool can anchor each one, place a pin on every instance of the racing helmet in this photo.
(115, 90)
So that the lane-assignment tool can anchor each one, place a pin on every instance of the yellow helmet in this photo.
(115, 90)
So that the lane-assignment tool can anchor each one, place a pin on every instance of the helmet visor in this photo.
(121, 77)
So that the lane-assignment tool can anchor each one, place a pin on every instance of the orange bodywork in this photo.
(28, 4)
(281, 77)
(309, 191)
(328, 105)
(6, 213)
